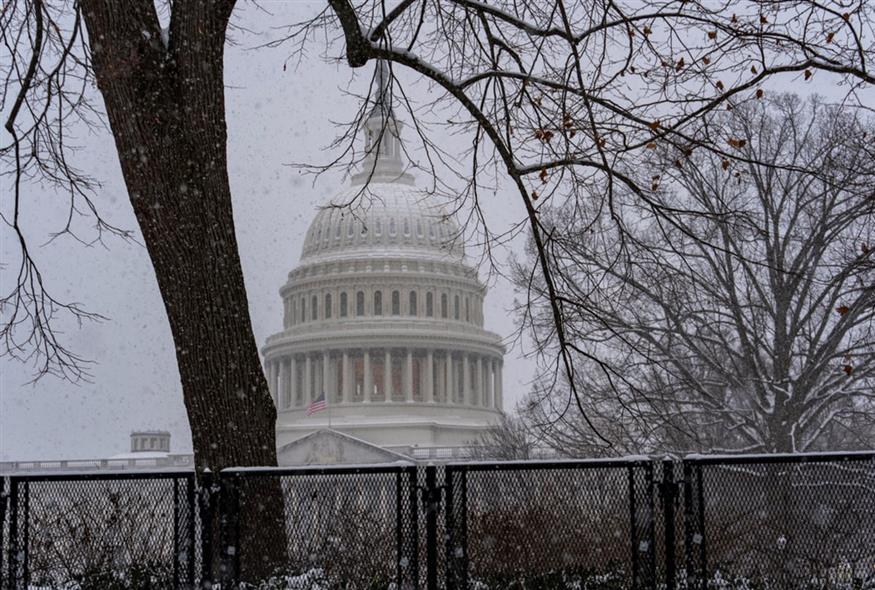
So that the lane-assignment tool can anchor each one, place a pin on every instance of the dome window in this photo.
(314, 308)
(412, 307)
(294, 311)
(378, 227)
(360, 303)
(303, 309)
(338, 228)
(392, 227)
(350, 228)
(429, 304)
(456, 307)
(419, 228)
(467, 309)
(431, 232)
(396, 303)
(328, 306)
(444, 305)
(406, 227)
(343, 305)
(378, 303)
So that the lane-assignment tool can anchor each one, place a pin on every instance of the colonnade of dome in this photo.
(360, 376)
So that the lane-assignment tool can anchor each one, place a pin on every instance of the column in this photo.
(272, 377)
(369, 376)
(346, 384)
(429, 376)
(448, 378)
(387, 375)
(308, 380)
(478, 383)
(326, 376)
(466, 380)
(408, 376)
(499, 385)
(280, 373)
(293, 380)
(489, 402)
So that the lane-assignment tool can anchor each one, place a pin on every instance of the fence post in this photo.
(4, 498)
(700, 501)
(190, 530)
(431, 501)
(464, 512)
(669, 491)
(633, 529)
(229, 529)
(450, 528)
(175, 481)
(206, 503)
(413, 537)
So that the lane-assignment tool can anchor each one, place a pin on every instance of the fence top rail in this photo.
(372, 468)
(538, 464)
(99, 475)
(824, 457)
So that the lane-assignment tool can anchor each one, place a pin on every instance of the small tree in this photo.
(745, 319)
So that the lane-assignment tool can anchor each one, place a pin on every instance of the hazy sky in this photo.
(275, 117)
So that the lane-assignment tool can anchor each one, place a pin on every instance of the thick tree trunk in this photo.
(165, 103)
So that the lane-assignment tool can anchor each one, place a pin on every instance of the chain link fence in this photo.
(771, 522)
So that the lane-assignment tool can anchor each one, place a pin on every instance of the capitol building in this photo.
(384, 317)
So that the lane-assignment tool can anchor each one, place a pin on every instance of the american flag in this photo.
(317, 405)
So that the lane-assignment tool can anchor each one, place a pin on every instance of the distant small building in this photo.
(150, 440)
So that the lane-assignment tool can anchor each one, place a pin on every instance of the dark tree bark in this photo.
(165, 103)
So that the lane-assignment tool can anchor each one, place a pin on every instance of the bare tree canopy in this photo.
(564, 100)
(744, 321)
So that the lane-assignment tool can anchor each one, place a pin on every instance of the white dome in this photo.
(384, 317)
(393, 218)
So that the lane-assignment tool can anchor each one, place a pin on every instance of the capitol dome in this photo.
(384, 316)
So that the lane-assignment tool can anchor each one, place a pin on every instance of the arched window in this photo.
(431, 233)
(406, 227)
(294, 311)
(337, 228)
(360, 303)
(429, 304)
(456, 307)
(303, 309)
(350, 227)
(328, 306)
(314, 308)
(392, 227)
(444, 305)
(343, 304)
(467, 309)
(419, 228)
(378, 229)
(412, 307)
(396, 303)
(378, 303)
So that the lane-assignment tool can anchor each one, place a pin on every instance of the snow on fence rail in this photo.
(760, 522)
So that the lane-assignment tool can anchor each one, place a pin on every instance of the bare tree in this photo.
(745, 320)
(562, 100)
(163, 93)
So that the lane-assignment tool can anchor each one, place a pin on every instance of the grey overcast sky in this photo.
(275, 117)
